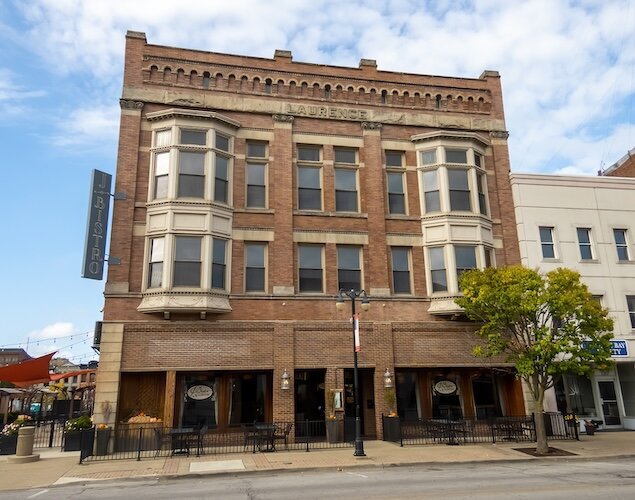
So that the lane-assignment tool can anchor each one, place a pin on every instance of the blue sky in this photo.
(567, 70)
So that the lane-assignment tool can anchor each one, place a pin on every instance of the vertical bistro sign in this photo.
(95, 246)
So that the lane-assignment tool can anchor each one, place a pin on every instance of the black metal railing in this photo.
(138, 442)
(48, 433)
(471, 430)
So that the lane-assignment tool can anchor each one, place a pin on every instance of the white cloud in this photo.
(564, 65)
(96, 125)
(13, 96)
(54, 330)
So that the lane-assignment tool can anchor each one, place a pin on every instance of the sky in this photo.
(567, 70)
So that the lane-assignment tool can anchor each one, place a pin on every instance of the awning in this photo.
(29, 372)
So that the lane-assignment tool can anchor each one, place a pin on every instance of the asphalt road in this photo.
(545, 479)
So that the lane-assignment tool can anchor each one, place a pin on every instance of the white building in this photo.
(587, 224)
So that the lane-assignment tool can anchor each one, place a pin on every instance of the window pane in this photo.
(428, 157)
(345, 201)
(156, 249)
(309, 199)
(255, 279)
(455, 155)
(220, 181)
(222, 166)
(218, 263)
(437, 269)
(621, 244)
(433, 202)
(255, 254)
(345, 190)
(188, 248)
(630, 300)
(584, 240)
(349, 279)
(478, 160)
(395, 182)
(161, 187)
(430, 180)
(458, 179)
(187, 274)
(191, 163)
(161, 163)
(256, 174)
(400, 270)
(482, 202)
(256, 196)
(394, 159)
(460, 200)
(310, 256)
(465, 257)
(310, 280)
(396, 204)
(191, 186)
(348, 257)
(163, 138)
(193, 137)
(309, 153)
(345, 155)
(222, 142)
(546, 242)
(309, 177)
(346, 179)
(256, 149)
(439, 281)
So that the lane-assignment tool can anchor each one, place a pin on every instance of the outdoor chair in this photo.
(163, 440)
(281, 433)
(249, 436)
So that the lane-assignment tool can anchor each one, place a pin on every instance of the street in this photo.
(543, 479)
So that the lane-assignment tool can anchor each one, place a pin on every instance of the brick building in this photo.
(257, 188)
(624, 167)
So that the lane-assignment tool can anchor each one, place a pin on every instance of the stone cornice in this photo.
(371, 126)
(130, 104)
(190, 113)
(282, 118)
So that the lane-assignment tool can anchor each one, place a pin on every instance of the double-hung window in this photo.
(465, 257)
(256, 175)
(437, 269)
(345, 179)
(547, 242)
(309, 177)
(255, 266)
(155, 268)
(459, 190)
(221, 169)
(310, 271)
(630, 302)
(584, 242)
(219, 250)
(431, 196)
(396, 195)
(161, 170)
(349, 271)
(400, 257)
(621, 244)
(482, 198)
(395, 182)
(191, 174)
(187, 261)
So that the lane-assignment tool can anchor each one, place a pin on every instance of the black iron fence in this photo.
(48, 433)
(471, 430)
(147, 441)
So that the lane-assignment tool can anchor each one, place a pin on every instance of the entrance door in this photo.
(608, 398)
(309, 402)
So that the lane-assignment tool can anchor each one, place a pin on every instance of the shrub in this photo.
(78, 424)
(14, 427)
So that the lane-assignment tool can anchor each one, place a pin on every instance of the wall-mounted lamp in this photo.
(286, 380)
(388, 383)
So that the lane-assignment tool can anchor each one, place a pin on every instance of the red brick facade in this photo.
(283, 104)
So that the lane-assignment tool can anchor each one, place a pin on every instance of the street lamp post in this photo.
(352, 294)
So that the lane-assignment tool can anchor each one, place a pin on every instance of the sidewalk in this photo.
(55, 467)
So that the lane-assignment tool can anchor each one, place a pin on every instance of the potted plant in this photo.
(590, 426)
(76, 431)
(9, 434)
(334, 426)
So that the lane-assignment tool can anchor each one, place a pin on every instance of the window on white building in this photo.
(621, 244)
(547, 242)
(584, 242)
(630, 302)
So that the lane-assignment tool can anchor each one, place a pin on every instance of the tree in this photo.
(545, 325)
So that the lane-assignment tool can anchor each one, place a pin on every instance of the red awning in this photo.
(29, 372)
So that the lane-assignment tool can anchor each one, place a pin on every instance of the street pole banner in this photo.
(358, 346)
(97, 227)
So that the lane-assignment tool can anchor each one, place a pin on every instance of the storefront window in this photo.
(200, 401)
(486, 397)
(446, 402)
(247, 398)
(575, 394)
(408, 403)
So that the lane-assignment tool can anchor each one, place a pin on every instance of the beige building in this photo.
(587, 224)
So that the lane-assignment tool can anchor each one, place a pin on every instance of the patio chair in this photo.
(163, 440)
(249, 436)
(281, 433)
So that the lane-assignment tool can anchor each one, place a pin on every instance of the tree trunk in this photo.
(542, 447)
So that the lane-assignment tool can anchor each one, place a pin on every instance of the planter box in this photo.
(101, 441)
(74, 440)
(8, 444)
(335, 431)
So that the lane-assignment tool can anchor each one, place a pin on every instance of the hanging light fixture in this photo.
(388, 383)
(286, 380)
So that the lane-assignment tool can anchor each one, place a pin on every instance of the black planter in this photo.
(101, 443)
(74, 440)
(8, 444)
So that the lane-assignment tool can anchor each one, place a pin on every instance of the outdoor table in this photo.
(181, 440)
(264, 437)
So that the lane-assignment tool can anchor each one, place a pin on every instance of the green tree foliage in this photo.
(545, 325)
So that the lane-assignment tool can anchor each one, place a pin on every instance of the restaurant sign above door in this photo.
(445, 386)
